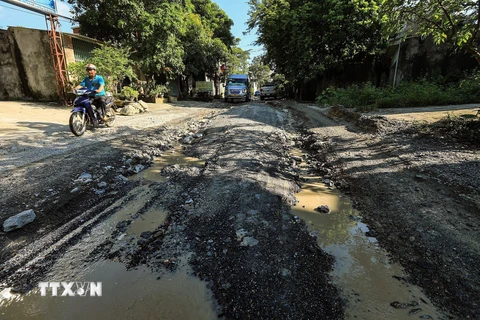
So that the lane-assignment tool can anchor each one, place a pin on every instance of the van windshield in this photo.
(237, 81)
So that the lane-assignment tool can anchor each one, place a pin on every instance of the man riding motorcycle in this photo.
(97, 84)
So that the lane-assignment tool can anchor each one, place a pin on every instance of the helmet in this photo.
(91, 67)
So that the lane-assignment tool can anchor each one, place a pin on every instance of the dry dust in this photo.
(31, 131)
(428, 114)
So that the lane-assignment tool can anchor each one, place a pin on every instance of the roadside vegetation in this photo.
(431, 92)
(168, 41)
(306, 39)
(114, 64)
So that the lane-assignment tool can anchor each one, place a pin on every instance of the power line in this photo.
(22, 10)
(36, 13)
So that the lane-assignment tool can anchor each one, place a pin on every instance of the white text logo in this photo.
(71, 289)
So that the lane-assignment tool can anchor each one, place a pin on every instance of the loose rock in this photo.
(19, 220)
(249, 241)
(323, 209)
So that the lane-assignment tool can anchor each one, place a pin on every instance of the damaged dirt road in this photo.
(248, 211)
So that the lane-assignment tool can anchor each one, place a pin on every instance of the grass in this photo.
(422, 93)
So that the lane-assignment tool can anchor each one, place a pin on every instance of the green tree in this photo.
(259, 72)
(159, 48)
(216, 20)
(77, 72)
(113, 64)
(237, 60)
(195, 43)
(168, 37)
(217, 53)
(109, 20)
(302, 38)
(454, 21)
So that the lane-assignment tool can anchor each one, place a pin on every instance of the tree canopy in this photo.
(304, 37)
(259, 72)
(452, 21)
(237, 62)
(166, 36)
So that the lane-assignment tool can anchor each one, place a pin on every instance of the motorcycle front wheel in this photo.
(77, 124)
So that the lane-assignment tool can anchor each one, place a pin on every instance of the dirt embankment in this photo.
(419, 194)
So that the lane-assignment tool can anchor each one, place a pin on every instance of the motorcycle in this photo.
(79, 119)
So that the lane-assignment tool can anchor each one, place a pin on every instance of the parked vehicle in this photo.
(237, 88)
(204, 90)
(80, 119)
(257, 93)
(268, 90)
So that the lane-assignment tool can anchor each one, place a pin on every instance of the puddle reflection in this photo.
(170, 157)
(362, 270)
(135, 294)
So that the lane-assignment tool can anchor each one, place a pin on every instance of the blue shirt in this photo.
(94, 84)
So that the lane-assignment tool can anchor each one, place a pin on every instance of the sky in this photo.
(237, 10)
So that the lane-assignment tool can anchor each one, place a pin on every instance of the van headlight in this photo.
(244, 90)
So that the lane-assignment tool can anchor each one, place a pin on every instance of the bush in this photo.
(129, 93)
(159, 90)
(415, 94)
(354, 96)
(469, 88)
(77, 72)
(408, 94)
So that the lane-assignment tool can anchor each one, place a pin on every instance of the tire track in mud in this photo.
(28, 262)
(232, 219)
(260, 261)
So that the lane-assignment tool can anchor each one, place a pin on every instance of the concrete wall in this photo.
(10, 83)
(35, 58)
(68, 49)
(419, 58)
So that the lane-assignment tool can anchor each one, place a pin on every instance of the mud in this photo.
(199, 213)
(419, 196)
(370, 282)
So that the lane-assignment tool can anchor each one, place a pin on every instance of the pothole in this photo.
(148, 221)
(173, 156)
(134, 294)
(370, 283)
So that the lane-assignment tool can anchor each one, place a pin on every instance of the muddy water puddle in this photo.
(135, 294)
(362, 270)
(149, 221)
(174, 156)
(126, 294)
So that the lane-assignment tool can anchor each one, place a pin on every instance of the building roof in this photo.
(84, 38)
(73, 35)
